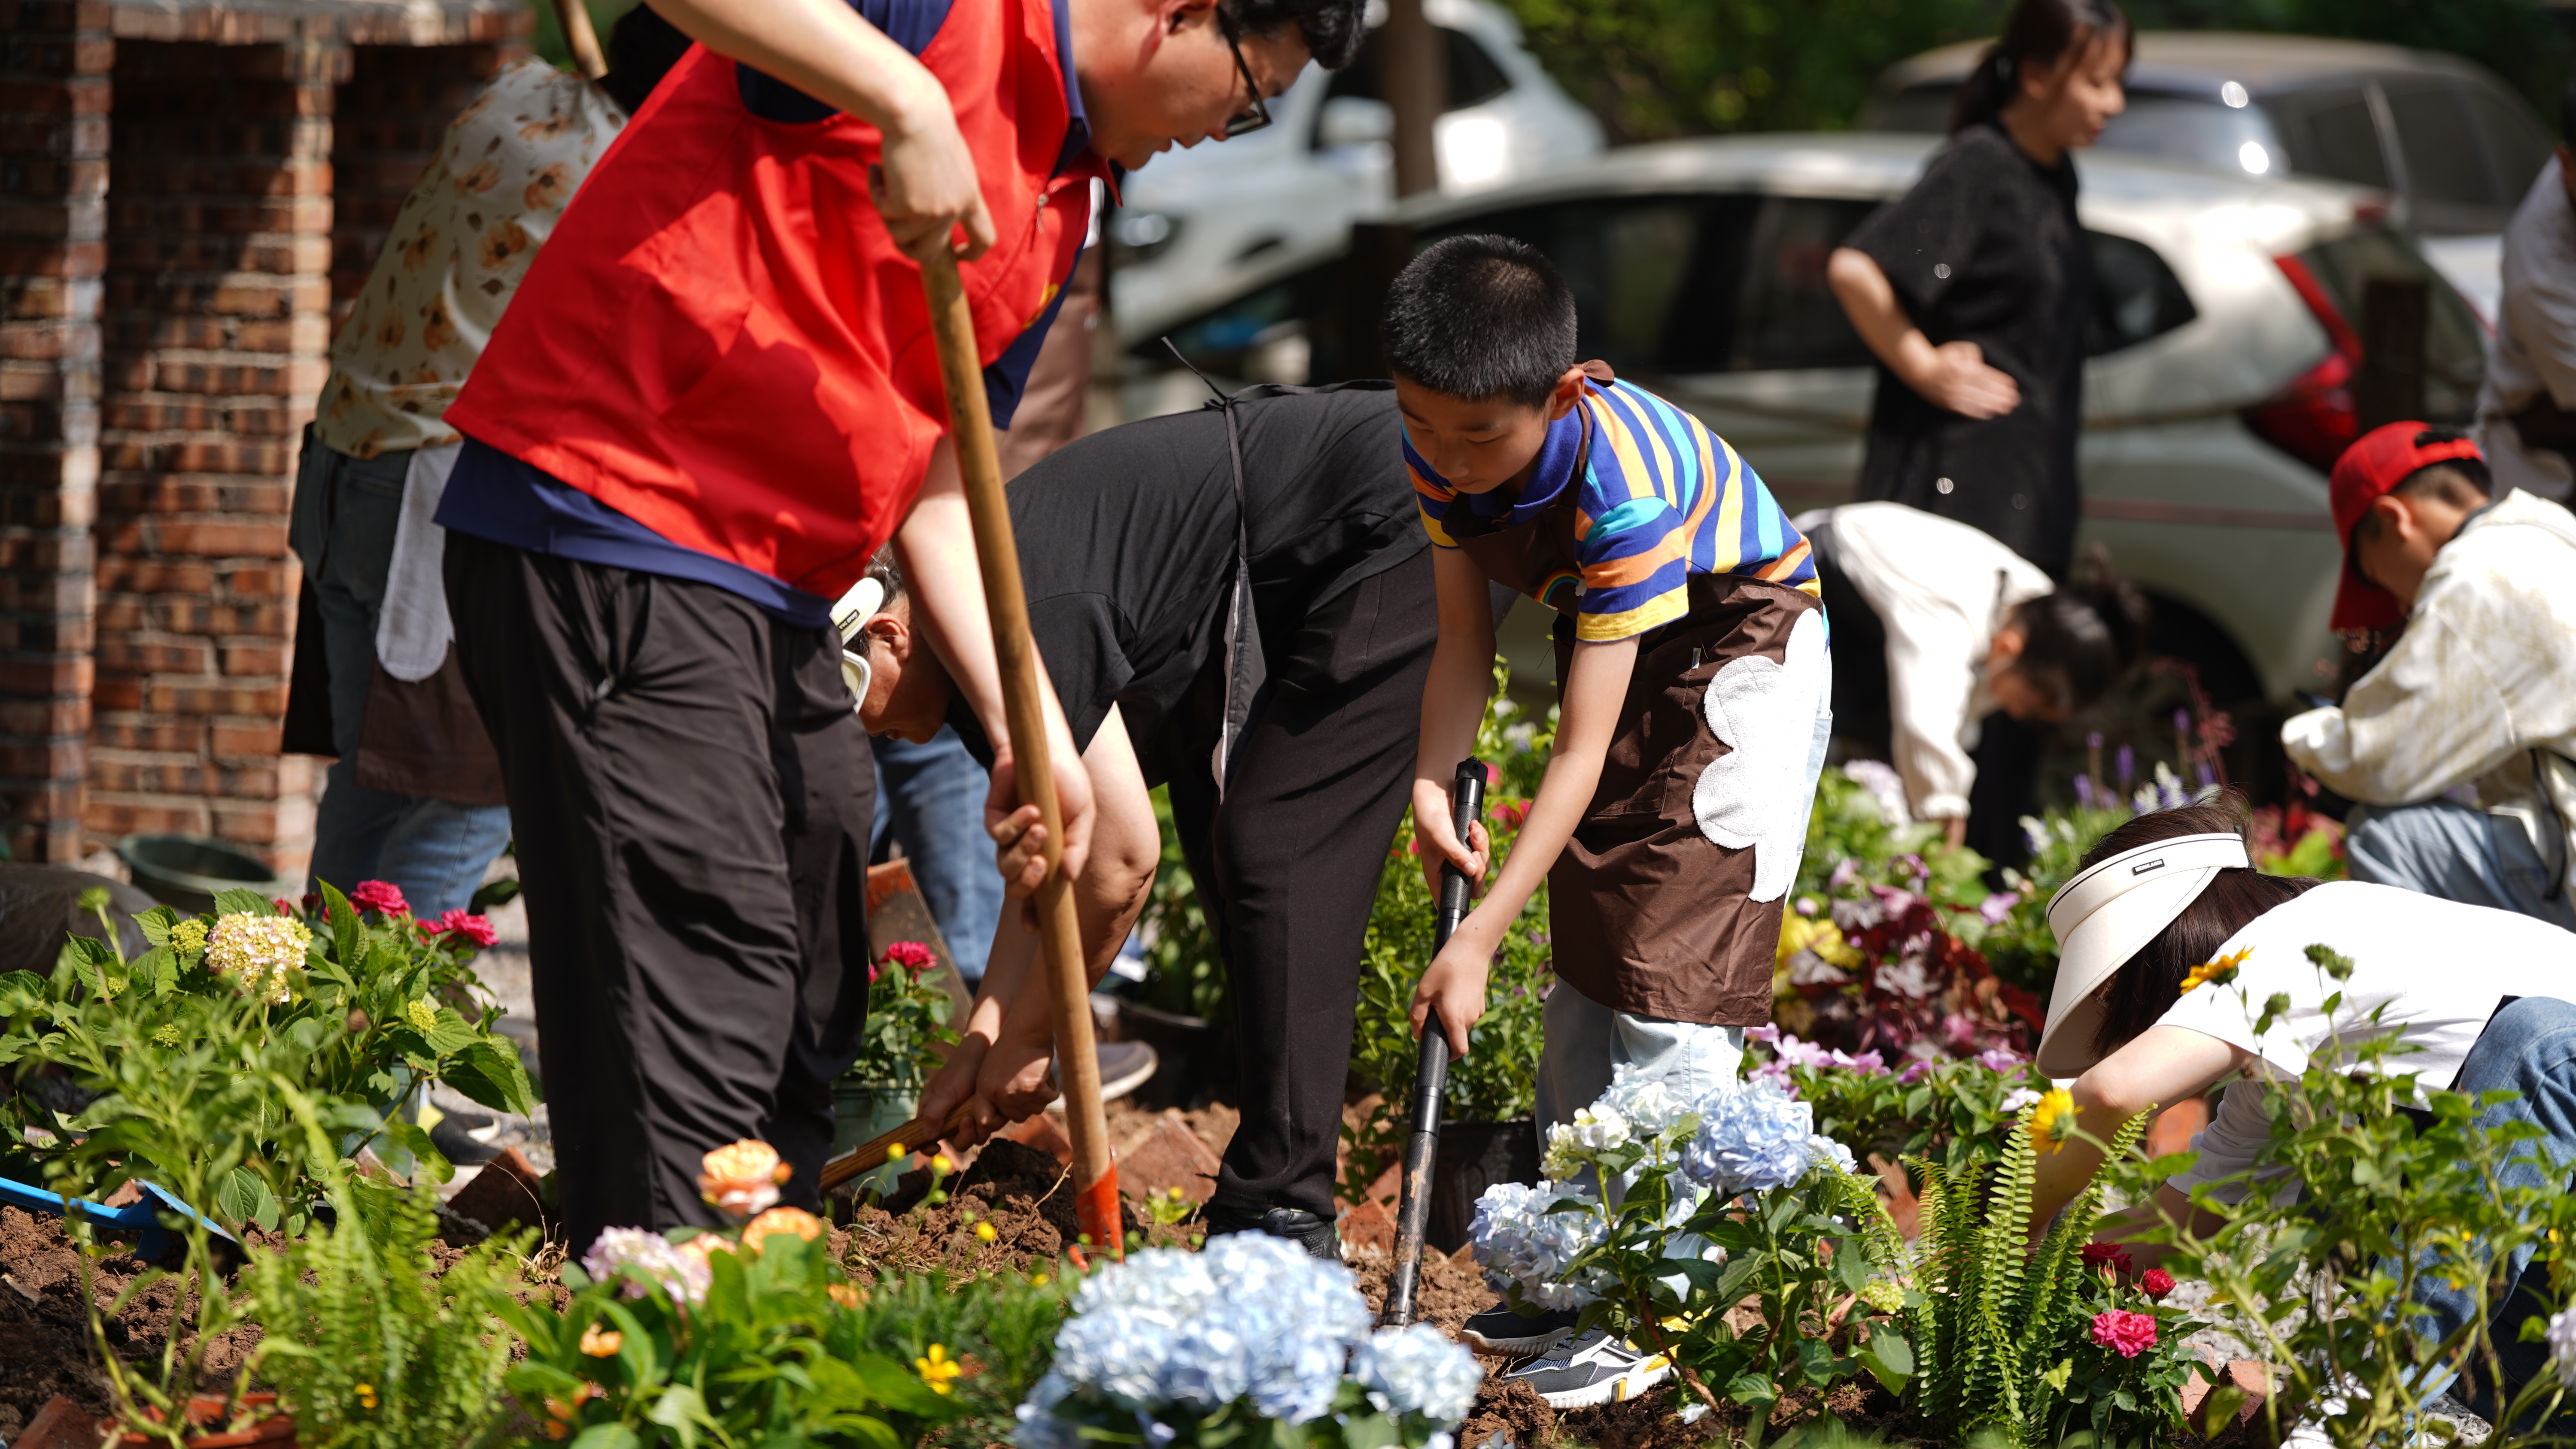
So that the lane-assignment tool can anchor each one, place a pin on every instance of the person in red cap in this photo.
(2457, 746)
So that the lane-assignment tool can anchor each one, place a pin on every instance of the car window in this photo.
(1473, 75)
(2201, 132)
(1288, 331)
(1790, 318)
(2517, 146)
(2135, 295)
(2446, 168)
(2331, 133)
(2454, 343)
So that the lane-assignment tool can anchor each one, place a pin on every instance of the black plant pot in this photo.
(1474, 1156)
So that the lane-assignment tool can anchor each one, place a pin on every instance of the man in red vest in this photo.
(715, 397)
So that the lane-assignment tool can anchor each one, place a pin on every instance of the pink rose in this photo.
(477, 929)
(2126, 1334)
(383, 897)
(912, 956)
(2157, 1283)
(284, 907)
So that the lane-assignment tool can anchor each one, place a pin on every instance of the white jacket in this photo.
(1941, 589)
(2479, 689)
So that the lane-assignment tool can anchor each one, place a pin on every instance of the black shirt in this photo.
(1986, 249)
(1127, 542)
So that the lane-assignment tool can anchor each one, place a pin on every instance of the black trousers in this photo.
(691, 795)
(1287, 867)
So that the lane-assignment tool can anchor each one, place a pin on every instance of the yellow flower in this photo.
(985, 1232)
(938, 1370)
(742, 1178)
(894, 1152)
(168, 1035)
(781, 1220)
(188, 937)
(941, 1165)
(422, 1015)
(2222, 971)
(2052, 1121)
(1818, 934)
(1037, 1280)
(601, 1342)
(367, 1397)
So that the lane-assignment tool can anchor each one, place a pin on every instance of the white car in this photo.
(2224, 349)
(2452, 146)
(1189, 220)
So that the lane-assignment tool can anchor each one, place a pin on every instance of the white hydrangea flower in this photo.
(1572, 1145)
(257, 951)
(2562, 1346)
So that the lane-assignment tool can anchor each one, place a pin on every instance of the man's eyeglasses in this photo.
(1246, 121)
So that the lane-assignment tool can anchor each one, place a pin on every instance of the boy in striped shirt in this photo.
(1693, 679)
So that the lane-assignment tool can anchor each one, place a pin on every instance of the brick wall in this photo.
(54, 95)
(216, 320)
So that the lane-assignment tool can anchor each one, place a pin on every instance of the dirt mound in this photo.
(45, 1345)
(1449, 1292)
(1023, 1194)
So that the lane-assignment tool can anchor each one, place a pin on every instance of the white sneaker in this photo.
(1592, 1369)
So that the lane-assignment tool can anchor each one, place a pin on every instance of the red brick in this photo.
(223, 540)
(26, 717)
(245, 741)
(23, 678)
(117, 691)
(259, 583)
(269, 659)
(143, 732)
(153, 576)
(110, 772)
(134, 656)
(41, 759)
(176, 698)
(113, 817)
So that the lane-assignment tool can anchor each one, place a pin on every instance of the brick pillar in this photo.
(388, 122)
(216, 317)
(54, 61)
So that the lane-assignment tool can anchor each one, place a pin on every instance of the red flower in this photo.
(912, 956)
(1512, 814)
(2110, 1255)
(312, 901)
(2157, 1283)
(2126, 1334)
(383, 897)
(284, 906)
(477, 929)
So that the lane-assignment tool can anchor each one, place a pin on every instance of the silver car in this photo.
(2452, 146)
(2224, 347)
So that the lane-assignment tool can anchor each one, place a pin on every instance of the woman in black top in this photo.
(1974, 290)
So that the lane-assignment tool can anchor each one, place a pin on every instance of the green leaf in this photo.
(488, 1072)
(412, 1139)
(450, 1034)
(607, 1436)
(1889, 1359)
(1816, 1360)
(156, 924)
(2220, 1407)
(341, 918)
(681, 1410)
(243, 1198)
(159, 968)
(238, 902)
(1752, 1390)
(897, 1388)
(1369, 1430)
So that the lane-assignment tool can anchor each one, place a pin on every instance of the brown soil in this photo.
(45, 1346)
(1449, 1292)
(1021, 1192)
(1212, 1124)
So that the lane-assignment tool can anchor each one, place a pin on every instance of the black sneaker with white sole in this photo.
(1593, 1369)
(1317, 1235)
(1505, 1329)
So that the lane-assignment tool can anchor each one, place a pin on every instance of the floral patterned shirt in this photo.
(458, 248)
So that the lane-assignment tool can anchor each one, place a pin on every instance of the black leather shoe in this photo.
(1315, 1234)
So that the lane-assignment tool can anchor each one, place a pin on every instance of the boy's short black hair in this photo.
(1481, 316)
(2459, 482)
(1333, 29)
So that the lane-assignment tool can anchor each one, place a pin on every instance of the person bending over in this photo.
(2171, 890)
(1130, 542)
(1691, 663)
(1937, 627)
(2479, 693)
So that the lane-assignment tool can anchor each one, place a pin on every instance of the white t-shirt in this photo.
(2435, 970)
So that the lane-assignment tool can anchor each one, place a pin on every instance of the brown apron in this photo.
(1646, 915)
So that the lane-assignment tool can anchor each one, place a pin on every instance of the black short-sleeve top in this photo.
(1127, 544)
(1986, 248)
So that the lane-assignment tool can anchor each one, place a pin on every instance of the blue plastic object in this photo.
(140, 1218)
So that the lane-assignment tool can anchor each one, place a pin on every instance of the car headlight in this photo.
(1141, 236)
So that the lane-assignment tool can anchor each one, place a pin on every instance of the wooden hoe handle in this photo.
(970, 419)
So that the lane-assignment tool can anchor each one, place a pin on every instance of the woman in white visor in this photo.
(2480, 999)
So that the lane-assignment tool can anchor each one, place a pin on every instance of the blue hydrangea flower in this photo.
(1515, 1235)
(1417, 1370)
(1753, 1138)
(1252, 1317)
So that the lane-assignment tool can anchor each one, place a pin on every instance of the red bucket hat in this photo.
(2377, 462)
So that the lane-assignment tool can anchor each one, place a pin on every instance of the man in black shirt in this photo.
(1136, 545)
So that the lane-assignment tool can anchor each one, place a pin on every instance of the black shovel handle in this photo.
(1431, 1075)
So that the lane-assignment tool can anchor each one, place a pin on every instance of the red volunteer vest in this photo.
(721, 341)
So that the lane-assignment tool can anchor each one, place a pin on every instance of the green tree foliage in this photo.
(1656, 69)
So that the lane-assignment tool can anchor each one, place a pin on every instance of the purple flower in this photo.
(1999, 1059)
(2093, 741)
(2207, 779)
(2126, 762)
(1996, 907)
(1843, 874)
(2084, 792)
(1921, 1068)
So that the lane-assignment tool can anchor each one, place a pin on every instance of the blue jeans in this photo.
(932, 797)
(2457, 852)
(435, 850)
(2529, 1048)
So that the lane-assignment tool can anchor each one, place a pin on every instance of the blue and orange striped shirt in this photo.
(1658, 497)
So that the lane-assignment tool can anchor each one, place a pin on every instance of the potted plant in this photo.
(907, 1024)
(1180, 1007)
